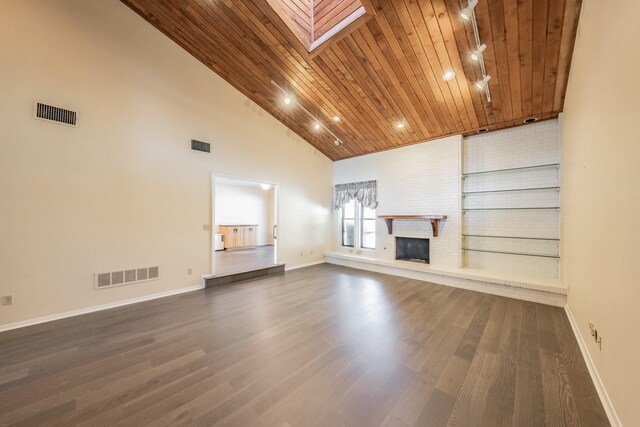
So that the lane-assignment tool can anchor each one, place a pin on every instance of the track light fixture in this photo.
(467, 12)
(484, 83)
(317, 124)
(477, 54)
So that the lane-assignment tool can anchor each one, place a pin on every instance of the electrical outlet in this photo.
(7, 299)
(189, 270)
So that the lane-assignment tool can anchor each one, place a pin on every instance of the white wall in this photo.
(421, 179)
(601, 194)
(237, 204)
(124, 189)
(523, 146)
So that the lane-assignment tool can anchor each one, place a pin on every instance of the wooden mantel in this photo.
(435, 219)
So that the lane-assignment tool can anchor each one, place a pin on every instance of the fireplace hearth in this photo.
(412, 249)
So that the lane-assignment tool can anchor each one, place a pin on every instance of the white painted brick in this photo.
(425, 179)
(530, 145)
(421, 179)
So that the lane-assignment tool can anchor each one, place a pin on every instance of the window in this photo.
(358, 221)
(367, 228)
(349, 224)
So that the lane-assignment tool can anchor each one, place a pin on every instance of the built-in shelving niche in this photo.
(510, 219)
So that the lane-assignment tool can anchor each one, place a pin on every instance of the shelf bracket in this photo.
(389, 222)
(434, 226)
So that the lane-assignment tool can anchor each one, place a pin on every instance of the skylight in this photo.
(316, 22)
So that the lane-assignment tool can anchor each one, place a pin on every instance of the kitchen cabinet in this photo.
(239, 236)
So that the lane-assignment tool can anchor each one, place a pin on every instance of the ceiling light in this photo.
(448, 75)
(400, 125)
(483, 130)
(530, 120)
(316, 126)
(265, 186)
(336, 118)
(477, 55)
(467, 12)
(287, 100)
(482, 84)
(337, 142)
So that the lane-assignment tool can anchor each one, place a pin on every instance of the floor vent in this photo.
(126, 277)
(55, 114)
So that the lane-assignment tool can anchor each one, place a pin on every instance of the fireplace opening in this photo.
(412, 249)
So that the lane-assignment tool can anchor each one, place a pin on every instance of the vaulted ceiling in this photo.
(385, 70)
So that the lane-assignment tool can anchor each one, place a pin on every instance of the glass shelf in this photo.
(512, 237)
(512, 169)
(512, 253)
(512, 209)
(510, 190)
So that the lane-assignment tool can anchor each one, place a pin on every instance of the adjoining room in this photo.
(245, 223)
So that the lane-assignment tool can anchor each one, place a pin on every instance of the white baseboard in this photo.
(595, 377)
(295, 267)
(95, 308)
(479, 284)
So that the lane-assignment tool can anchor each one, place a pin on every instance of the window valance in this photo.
(364, 192)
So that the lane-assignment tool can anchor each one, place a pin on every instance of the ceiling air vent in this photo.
(126, 277)
(205, 147)
(55, 114)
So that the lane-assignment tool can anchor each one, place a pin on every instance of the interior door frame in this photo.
(276, 212)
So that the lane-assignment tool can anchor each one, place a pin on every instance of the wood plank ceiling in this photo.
(387, 71)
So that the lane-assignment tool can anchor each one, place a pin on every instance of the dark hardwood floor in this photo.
(319, 346)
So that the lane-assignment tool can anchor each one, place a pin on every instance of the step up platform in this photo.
(225, 279)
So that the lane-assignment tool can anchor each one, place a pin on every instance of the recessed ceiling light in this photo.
(477, 54)
(336, 118)
(483, 130)
(530, 120)
(316, 126)
(400, 125)
(482, 84)
(337, 142)
(448, 75)
(287, 100)
(467, 12)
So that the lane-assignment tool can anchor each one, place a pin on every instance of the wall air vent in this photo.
(126, 277)
(55, 114)
(205, 147)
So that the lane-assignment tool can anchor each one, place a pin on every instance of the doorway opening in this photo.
(245, 224)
